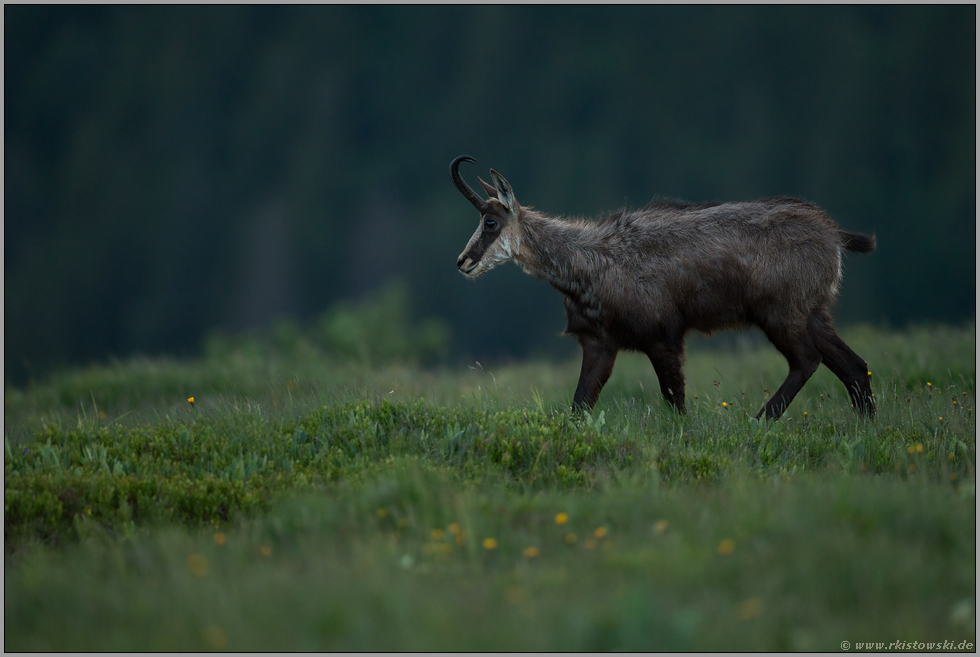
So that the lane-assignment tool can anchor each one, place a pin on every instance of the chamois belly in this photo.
(634, 319)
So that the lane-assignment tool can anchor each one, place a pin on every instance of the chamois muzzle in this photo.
(466, 264)
(465, 189)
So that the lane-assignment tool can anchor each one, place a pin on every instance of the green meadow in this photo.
(314, 499)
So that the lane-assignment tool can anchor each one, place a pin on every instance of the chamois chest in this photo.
(595, 313)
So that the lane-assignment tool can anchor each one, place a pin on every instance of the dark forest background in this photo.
(172, 171)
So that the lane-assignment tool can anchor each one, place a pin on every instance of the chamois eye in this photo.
(490, 224)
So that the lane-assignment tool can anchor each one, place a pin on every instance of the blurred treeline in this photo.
(172, 171)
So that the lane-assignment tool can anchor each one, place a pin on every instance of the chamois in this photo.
(639, 280)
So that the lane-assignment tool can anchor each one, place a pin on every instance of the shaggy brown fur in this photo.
(640, 280)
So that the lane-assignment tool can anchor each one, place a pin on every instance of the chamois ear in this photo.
(490, 189)
(505, 194)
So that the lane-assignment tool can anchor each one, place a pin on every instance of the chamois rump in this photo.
(639, 280)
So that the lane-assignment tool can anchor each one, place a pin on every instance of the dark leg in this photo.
(668, 362)
(847, 366)
(803, 357)
(597, 365)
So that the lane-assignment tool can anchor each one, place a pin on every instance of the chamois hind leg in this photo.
(803, 356)
(668, 362)
(850, 368)
(597, 365)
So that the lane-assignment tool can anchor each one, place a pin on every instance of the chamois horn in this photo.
(465, 189)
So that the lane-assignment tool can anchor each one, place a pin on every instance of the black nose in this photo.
(459, 263)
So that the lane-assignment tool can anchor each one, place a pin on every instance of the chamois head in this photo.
(497, 239)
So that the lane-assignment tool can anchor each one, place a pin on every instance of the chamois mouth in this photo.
(470, 270)
(467, 266)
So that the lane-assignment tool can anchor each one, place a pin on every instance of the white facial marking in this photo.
(504, 248)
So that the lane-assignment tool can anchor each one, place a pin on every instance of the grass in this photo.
(305, 503)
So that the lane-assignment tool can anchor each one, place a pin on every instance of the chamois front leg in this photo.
(597, 365)
(668, 362)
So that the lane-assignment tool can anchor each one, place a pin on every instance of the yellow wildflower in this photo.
(191, 400)
(437, 534)
(590, 544)
(749, 609)
(489, 544)
(197, 564)
(661, 525)
(727, 546)
(219, 538)
(454, 529)
(531, 552)
(600, 532)
(215, 637)
(516, 595)
(571, 538)
(435, 548)
(561, 518)
(265, 550)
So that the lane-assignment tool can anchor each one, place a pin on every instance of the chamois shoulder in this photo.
(658, 208)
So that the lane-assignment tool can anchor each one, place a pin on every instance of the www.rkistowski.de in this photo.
(909, 645)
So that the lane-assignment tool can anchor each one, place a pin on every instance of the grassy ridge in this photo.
(305, 503)
(287, 382)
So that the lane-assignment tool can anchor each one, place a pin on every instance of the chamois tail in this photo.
(857, 242)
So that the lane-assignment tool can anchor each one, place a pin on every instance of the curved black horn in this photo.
(465, 189)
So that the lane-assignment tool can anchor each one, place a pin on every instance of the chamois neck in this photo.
(567, 253)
